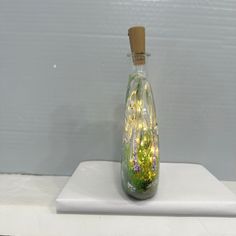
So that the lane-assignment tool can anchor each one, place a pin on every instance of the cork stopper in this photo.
(137, 44)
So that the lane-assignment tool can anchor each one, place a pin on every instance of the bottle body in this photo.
(140, 160)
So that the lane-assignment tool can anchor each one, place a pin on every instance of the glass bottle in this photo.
(140, 160)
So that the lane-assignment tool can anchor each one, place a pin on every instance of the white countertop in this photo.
(27, 207)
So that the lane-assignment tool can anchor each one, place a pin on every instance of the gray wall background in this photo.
(63, 78)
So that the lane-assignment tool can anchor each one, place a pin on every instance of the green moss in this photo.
(141, 179)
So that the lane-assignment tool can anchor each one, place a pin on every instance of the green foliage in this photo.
(143, 178)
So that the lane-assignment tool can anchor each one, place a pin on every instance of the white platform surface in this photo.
(184, 189)
(27, 208)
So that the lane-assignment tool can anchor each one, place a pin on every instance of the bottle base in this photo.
(149, 193)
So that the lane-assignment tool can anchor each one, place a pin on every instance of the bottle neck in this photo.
(140, 69)
(139, 63)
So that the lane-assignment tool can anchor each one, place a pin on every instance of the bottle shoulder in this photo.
(138, 84)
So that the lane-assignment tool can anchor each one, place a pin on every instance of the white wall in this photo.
(63, 78)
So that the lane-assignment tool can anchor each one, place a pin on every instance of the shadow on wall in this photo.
(74, 138)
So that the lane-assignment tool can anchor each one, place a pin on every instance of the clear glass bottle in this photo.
(140, 160)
